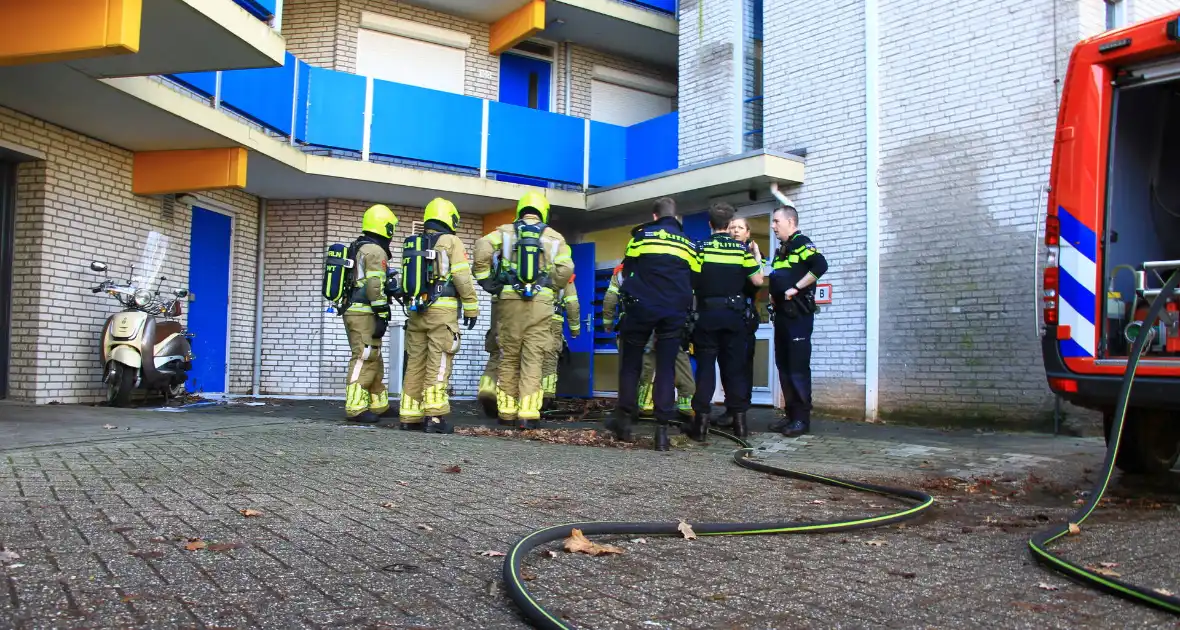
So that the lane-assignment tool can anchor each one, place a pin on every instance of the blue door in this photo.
(208, 313)
(576, 378)
(525, 81)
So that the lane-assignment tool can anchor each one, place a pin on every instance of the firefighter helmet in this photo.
(535, 202)
(443, 211)
(379, 220)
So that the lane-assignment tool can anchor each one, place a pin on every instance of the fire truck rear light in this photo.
(1063, 332)
(1067, 385)
(1052, 230)
(1051, 316)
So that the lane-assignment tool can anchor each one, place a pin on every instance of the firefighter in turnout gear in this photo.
(491, 371)
(436, 282)
(657, 293)
(797, 265)
(367, 317)
(727, 268)
(535, 263)
(565, 309)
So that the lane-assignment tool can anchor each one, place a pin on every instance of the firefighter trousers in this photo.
(792, 357)
(491, 344)
(432, 339)
(549, 373)
(524, 339)
(684, 381)
(365, 389)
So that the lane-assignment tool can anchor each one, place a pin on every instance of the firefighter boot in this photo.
(699, 429)
(662, 442)
(412, 426)
(620, 424)
(438, 424)
(739, 425)
(365, 417)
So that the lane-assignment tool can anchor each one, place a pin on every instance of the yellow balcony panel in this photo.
(162, 172)
(64, 30)
(517, 26)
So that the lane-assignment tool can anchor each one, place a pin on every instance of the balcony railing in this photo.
(261, 9)
(666, 6)
(346, 114)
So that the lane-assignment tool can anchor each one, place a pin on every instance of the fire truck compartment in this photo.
(1142, 215)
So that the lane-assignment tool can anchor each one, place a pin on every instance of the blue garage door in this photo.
(208, 315)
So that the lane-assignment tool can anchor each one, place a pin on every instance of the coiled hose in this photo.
(536, 613)
(1038, 544)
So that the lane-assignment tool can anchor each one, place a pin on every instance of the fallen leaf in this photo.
(196, 545)
(158, 539)
(249, 513)
(686, 530)
(1074, 530)
(389, 505)
(525, 575)
(426, 528)
(403, 483)
(818, 502)
(1165, 592)
(718, 597)
(1102, 571)
(876, 543)
(640, 541)
(130, 597)
(532, 472)
(109, 426)
(492, 554)
(1108, 565)
(552, 554)
(225, 546)
(144, 553)
(1047, 587)
(9, 556)
(452, 469)
(578, 542)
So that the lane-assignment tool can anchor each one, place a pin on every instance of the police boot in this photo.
(620, 424)
(780, 426)
(739, 425)
(436, 424)
(662, 442)
(797, 428)
(699, 428)
(365, 417)
(722, 420)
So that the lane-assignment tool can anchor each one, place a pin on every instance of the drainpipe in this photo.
(568, 77)
(872, 211)
(260, 257)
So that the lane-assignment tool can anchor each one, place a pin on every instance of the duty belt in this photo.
(734, 302)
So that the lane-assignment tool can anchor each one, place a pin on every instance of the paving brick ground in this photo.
(101, 517)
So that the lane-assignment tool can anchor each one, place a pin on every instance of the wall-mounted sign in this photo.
(823, 294)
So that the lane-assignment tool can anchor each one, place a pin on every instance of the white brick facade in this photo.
(75, 207)
(711, 36)
(1140, 10)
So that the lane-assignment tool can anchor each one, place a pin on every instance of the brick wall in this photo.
(309, 27)
(582, 62)
(305, 351)
(708, 95)
(77, 206)
(817, 102)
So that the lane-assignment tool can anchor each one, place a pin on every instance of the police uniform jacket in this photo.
(660, 265)
(726, 268)
(793, 260)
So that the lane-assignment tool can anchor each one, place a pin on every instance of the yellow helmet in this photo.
(443, 211)
(379, 220)
(534, 201)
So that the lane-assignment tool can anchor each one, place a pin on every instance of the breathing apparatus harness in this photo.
(426, 272)
(340, 273)
(522, 256)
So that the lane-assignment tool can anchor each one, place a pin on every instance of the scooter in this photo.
(139, 351)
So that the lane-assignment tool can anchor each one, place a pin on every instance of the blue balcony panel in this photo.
(424, 124)
(653, 146)
(202, 82)
(261, 9)
(333, 109)
(533, 143)
(608, 154)
(265, 95)
(668, 6)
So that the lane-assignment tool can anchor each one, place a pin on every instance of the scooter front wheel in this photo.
(119, 385)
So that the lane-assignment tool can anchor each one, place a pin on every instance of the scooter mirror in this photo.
(97, 266)
(182, 294)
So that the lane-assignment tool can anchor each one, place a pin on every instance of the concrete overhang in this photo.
(615, 27)
(748, 174)
(174, 36)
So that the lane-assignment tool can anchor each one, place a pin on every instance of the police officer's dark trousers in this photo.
(720, 338)
(636, 328)
(792, 357)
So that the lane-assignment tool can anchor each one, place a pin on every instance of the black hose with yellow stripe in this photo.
(542, 618)
(1038, 544)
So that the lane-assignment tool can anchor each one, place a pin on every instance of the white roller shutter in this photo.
(618, 105)
(411, 61)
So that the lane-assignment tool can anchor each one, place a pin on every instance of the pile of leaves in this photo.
(575, 437)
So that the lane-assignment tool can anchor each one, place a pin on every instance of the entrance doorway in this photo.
(526, 76)
(210, 253)
(7, 243)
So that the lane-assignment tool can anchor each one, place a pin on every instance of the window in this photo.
(1116, 14)
(622, 98)
(415, 54)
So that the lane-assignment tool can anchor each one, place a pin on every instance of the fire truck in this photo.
(1112, 235)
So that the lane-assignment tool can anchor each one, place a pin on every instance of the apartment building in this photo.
(253, 133)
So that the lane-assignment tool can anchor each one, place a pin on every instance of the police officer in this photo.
(727, 267)
(432, 333)
(797, 265)
(739, 229)
(525, 308)
(565, 309)
(365, 321)
(658, 272)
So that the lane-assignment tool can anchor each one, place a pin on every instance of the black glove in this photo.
(469, 322)
(379, 329)
(491, 285)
